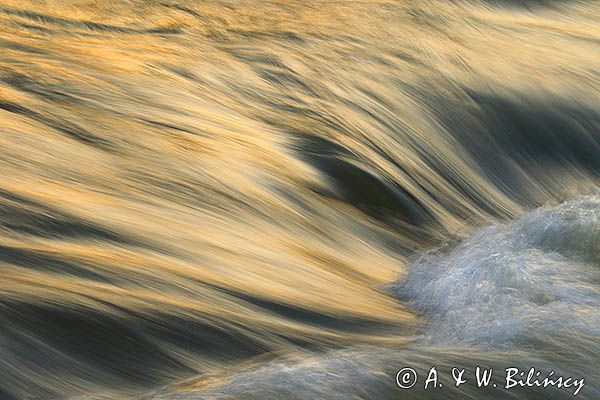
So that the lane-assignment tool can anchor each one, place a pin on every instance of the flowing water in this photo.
(239, 199)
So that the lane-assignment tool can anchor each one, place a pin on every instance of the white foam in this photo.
(536, 276)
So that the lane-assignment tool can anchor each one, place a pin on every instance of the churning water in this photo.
(295, 200)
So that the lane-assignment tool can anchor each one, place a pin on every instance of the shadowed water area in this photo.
(296, 199)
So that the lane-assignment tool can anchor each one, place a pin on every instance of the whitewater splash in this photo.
(535, 281)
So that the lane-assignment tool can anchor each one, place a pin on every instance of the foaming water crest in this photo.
(535, 279)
